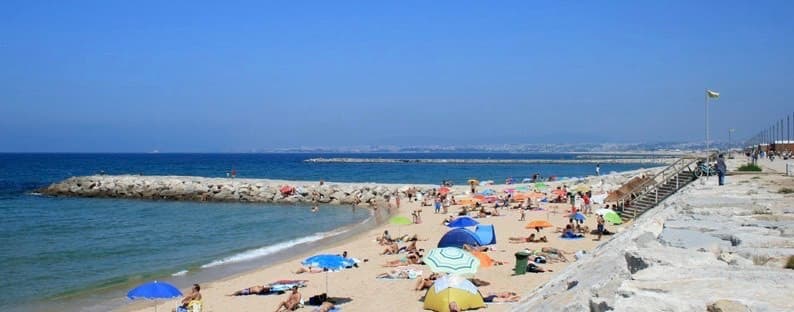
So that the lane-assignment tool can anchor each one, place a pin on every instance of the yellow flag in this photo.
(713, 94)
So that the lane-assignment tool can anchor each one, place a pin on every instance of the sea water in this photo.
(71, 249)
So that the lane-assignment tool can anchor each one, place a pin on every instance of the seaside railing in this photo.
(649, 189)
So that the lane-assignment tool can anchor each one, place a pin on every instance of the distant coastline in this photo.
(655, 160)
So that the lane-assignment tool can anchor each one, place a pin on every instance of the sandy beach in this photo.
(366, 292)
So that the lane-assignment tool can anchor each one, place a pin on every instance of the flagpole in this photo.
(706, 104)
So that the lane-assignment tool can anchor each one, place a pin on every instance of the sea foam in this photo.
(267, 250)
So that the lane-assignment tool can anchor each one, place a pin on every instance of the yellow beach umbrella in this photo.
(455, 288)
(582, 188)
(474, 182)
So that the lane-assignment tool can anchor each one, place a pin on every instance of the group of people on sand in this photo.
(406, 247)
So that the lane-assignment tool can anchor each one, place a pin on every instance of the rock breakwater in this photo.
(225, 189)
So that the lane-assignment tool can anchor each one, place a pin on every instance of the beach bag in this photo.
(317, 299)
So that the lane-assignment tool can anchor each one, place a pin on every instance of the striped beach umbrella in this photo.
(451, 260)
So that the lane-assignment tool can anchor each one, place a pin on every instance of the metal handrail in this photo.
(652, 184)
(652, 181)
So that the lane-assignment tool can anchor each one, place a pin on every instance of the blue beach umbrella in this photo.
(328, 262)
(463, 222)
(579, 217)
(154, 290)
(457, 237)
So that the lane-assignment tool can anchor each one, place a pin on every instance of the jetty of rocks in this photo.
(190, 188)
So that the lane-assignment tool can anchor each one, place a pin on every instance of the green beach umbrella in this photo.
(612, 217)
(451, 260)
(540, 185)
(609, 215)
(400, 220)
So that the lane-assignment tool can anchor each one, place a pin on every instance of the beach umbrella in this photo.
(579, 216)
(474, 182)
(520, 196)
(451, 260)
(153, 291)
(536, 195)
(458, 237)
(488, 192)
(603, 211)
(582, 188)
(328, 263)
(540, 186)
(462, 222)
(466, 201)
(490, 199)
(485, 260)
(451, 288)
(612, 217)
(559, 192)
(400, 220)
(443, 191)
(538, 224)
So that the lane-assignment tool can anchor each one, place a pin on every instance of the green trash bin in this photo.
(522, 258)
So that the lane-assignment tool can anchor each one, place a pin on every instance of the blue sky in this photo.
(194, 76)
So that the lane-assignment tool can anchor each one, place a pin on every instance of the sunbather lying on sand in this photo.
(478, 282)
(534, 268)
(305, 269)
(552, 254)
(530, 239)
(327, 305)
(401, 273)
(426, 282)
(471, 248)
(411, 258)
(501, 297)
(253, 290)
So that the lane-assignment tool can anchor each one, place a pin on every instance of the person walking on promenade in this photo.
(721, 169)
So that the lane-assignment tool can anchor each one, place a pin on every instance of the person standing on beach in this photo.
(721, 168)
(600, 227)
(397, 198)
(598, 169)
(437, 205)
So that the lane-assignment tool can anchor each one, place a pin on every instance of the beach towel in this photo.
(285, 285)
(409, 272)
(571, 238)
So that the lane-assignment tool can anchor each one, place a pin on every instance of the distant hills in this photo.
(655, 148)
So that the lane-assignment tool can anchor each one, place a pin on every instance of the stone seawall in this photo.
(706, 248)
(224, 189)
